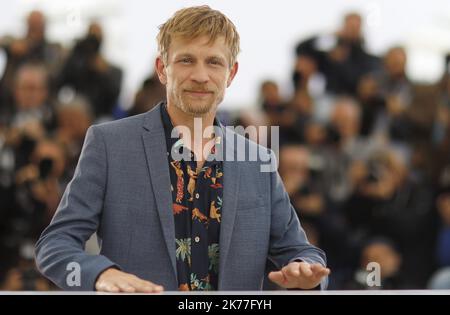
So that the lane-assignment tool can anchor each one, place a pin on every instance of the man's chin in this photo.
(198, 110)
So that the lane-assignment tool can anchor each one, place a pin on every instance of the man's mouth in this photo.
(198, 93)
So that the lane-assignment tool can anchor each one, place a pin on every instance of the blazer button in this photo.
(197, 195)
(197, 239)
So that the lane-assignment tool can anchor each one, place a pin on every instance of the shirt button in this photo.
(197, 196)
(197, 239)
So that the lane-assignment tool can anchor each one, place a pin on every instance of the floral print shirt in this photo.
(197, 208)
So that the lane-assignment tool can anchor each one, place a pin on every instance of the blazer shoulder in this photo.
(127, 125)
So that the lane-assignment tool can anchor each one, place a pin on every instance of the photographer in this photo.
(38, 189)
(33, 47)
(389, 201)
(87, 72)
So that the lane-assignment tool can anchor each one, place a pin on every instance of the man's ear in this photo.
(161, 70)
(233, 72)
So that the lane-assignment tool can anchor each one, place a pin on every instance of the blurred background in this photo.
(360, 90)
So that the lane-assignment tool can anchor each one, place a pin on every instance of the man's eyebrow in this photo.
(217, 57)
(184, 55)
(208, 57)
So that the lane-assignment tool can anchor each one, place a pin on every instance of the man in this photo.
(88, 73)
(31, 97)
(34, 47)
(171, 224)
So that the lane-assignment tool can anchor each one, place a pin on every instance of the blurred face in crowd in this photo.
(396, 167)
(302, 102)
(74, 121)
(96, 30)
(30, 89)
(36, 26)
(315, 133)
(395, 62)
(270, 93)
(384, 176)
(367, 87)
(294, 162)
(351, 30)
(346, 118)
(196, 74)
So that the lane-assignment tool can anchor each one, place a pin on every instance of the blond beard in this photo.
(197, 110)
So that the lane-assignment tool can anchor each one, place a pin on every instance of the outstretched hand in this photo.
(299, 275)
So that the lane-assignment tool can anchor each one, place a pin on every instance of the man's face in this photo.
(352, 28)
(196, 74)
(395, 62)
(36, 26)
(30, 89)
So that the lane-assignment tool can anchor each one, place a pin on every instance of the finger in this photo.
(113, 288)
(323, 273)
(305, 269)
(277, 277)
(143, 286)
(291, 271)
(318, 269)
(107, 287)
(157, 288)
(154, 287)
(125, 287)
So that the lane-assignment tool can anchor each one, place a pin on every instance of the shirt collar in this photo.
(177, 142)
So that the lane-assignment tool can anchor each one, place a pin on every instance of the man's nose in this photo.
(200, 73)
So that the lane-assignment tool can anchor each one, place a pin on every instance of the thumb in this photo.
(277, 277)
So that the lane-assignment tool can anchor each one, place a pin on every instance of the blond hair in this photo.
(193, 22)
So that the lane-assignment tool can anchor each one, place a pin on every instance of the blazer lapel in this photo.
(156, 153)
(231, 179)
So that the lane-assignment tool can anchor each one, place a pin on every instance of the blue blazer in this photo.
(121, 190)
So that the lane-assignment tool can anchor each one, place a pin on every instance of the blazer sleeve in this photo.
(288, 241)
(61, 245)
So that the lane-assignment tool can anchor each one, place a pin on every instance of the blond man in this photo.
(155, 237)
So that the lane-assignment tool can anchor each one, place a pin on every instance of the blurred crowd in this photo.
(364, 151)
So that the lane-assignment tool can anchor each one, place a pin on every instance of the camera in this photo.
(45, 168)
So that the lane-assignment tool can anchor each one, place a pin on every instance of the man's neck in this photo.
(179, 118)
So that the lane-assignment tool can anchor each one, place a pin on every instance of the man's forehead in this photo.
(204, 39)
(185, 45)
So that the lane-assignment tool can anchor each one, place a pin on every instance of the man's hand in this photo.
(115, 281)
(299, 275)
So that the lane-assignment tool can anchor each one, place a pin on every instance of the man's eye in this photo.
(215, 62)
(186, 60)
